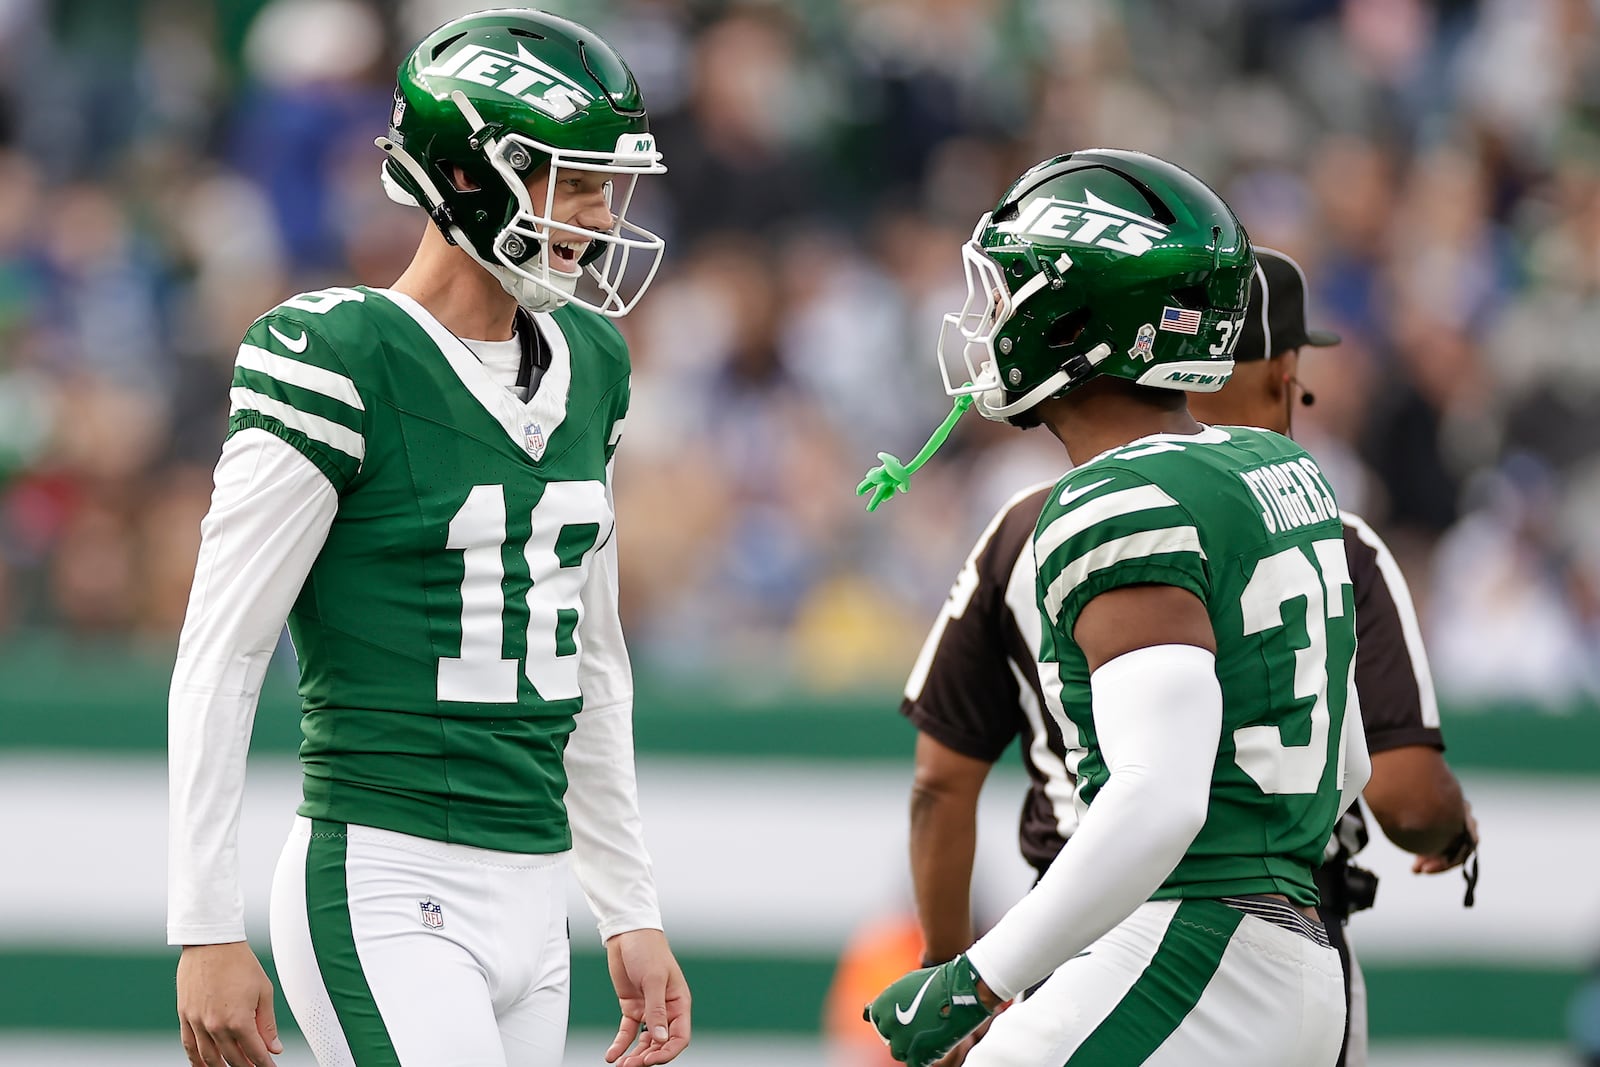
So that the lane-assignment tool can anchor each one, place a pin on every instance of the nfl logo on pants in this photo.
(432, 914)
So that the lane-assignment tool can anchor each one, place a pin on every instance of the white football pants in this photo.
(1190, 983)
(1355, 1051)
(397, 951)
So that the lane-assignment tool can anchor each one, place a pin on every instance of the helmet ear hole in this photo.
(460, 179)
(1066, 329)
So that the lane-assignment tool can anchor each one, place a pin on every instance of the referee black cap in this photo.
(1276, 319)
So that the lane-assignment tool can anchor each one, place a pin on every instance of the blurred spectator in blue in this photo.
(319, 85)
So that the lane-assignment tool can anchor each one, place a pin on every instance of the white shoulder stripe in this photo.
(1400, 593)
(1133, 546)
(1111, 506)
(305, 375)
(315, 427)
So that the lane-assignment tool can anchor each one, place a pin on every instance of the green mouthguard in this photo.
(891, 475)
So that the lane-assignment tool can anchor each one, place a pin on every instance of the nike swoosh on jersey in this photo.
(1069, 495)
(296, 346)
(905, 1015)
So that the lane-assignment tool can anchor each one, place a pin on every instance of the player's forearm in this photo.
(1158, 714)
(609, 856)
(944, 837)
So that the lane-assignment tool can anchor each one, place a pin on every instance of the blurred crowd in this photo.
(169, 169)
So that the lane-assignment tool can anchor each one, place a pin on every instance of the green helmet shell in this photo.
(1101, 262)
(500, 94)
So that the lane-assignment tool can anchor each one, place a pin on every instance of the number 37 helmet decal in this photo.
(1100, 262)
(501, 94)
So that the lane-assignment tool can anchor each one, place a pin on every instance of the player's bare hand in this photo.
(1444, 861)
(653, 996)
(225, 1007)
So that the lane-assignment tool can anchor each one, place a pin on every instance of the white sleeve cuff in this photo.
(1158, 718)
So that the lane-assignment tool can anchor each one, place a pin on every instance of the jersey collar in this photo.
(536, 418)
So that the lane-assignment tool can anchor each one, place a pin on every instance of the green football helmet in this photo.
(1100, 262)
(500, 94)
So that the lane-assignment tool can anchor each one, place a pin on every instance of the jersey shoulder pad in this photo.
(293, 378)
(1109, 524)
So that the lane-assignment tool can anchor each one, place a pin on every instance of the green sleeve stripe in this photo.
(330, 433)
(1093, 512)
(302, 400)
(1137, 546)
(336, 466)
(305, 375)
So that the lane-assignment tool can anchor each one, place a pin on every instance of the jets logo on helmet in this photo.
(1091, 221)
(521, 75)
(491, 102)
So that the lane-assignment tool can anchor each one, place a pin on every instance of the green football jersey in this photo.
(438, 629)
(1243, 519)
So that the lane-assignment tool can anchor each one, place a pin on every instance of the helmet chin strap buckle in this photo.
(1078, 366)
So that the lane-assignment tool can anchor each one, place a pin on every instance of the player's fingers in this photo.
(249, 1048)
(235, 1054)
(668, 1050)
(267, 1024)
(206, 1049)
(679, 1026)
(654, 987)
(212, 1053)
(191, 1048)
(626, 1032)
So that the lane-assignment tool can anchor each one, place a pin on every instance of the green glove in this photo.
(925, 1014)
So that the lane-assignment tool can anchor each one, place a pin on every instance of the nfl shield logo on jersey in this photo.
(533, 439)
(432, 914)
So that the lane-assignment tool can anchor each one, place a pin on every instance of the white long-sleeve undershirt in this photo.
(270, 513)
(1158, 718)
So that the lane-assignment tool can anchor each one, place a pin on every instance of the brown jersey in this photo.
(975, 686)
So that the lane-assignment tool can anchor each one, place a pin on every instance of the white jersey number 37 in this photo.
(1278, 580)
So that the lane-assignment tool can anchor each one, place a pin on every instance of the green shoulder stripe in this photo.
(300, 374)
(1110, 527)
(290, 380)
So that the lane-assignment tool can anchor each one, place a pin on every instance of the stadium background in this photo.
(171, 168)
